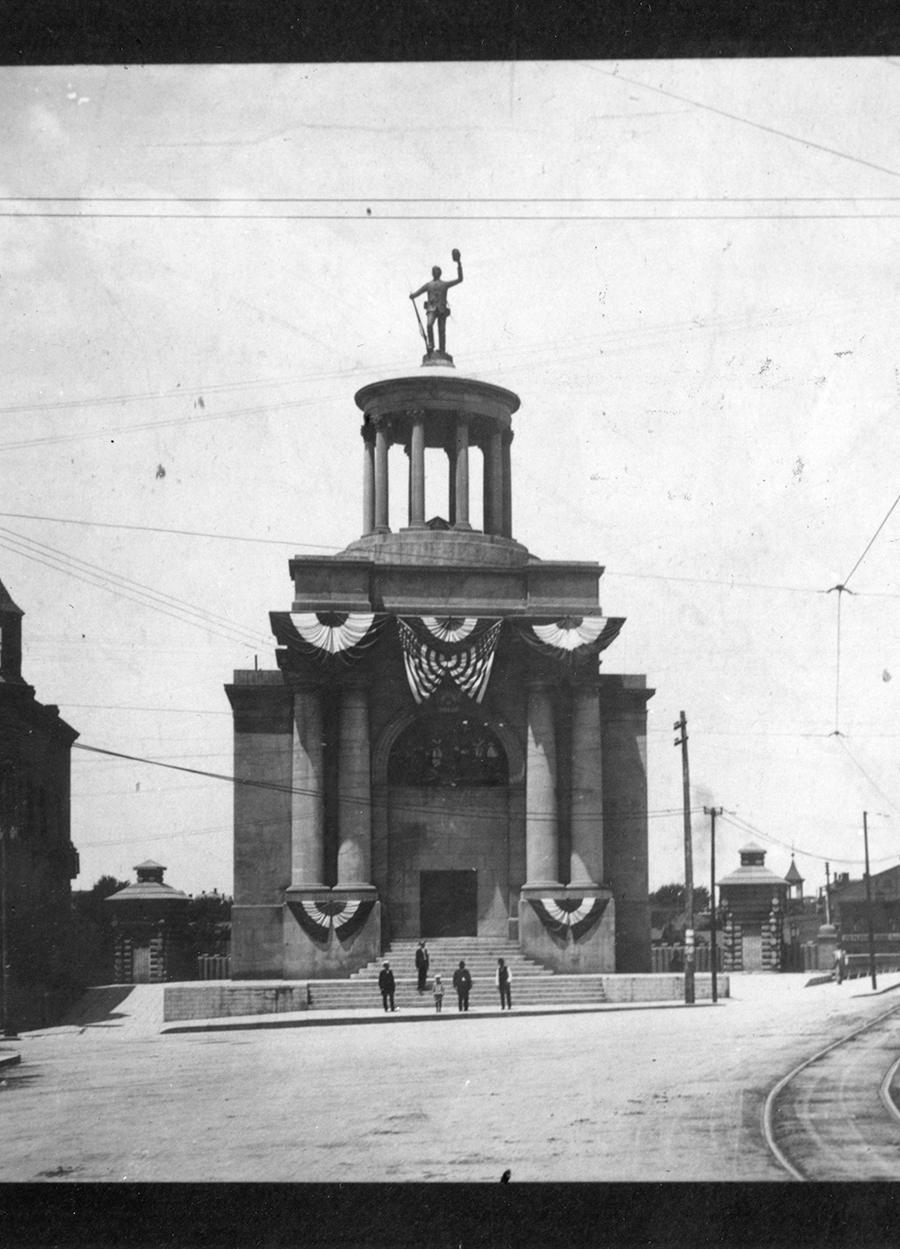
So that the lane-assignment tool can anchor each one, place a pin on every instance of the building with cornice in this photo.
(439, 753)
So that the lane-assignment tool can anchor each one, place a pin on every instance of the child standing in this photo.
(438, 994)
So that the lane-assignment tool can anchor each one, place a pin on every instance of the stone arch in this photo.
(509, 740)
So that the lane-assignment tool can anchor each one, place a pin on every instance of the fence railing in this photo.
(857, 964)
(213, 967)
(665, 958)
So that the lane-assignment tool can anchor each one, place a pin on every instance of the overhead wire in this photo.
(368, 217)
(842, 743)
(126, 587)
(744, 826)
(729, 583)
(744, 121)
(280, 787)
(871, 541)
(188, 533)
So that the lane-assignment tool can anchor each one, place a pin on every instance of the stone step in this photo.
(441, 966)
(480, 955)
(501, 943)
(476, 969)
(547, 990)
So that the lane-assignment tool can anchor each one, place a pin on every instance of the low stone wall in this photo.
(661, 988)
(225, 999)
(204, 1000)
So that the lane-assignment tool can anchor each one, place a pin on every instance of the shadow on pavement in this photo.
(99, 1005)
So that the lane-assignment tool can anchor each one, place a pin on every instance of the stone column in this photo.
(462, 473)
(307, 796)
(417, 471)
(382, 442)
(451, 483)
(493, 484)
(586, 863)
(507, 483)
(541, 820)
(354, 791)
(368, 480)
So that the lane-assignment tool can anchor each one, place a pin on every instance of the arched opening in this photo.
(447, 752)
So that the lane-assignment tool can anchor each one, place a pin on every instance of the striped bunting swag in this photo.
(561, 916)
(317, 919)
(328, 637)
(573, 637)
(340, 635)
(428, 661)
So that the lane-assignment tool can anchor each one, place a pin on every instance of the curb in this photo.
(272, 1021)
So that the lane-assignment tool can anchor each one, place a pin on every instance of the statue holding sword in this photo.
(436, 306)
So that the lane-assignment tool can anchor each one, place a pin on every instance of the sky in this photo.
(688, 272)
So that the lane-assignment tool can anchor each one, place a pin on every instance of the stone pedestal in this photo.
(330, 933)
(571, 929)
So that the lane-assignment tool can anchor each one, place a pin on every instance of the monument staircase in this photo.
(532, 983)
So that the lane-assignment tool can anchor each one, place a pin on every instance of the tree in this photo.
(208, 924)
(673, 896)
(90, 953)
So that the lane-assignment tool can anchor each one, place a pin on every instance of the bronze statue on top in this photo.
(436, 306)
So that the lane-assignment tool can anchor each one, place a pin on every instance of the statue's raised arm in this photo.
(436, 306)
(459, 273)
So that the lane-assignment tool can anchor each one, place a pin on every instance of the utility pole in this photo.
(869, 902)
(827, 893)
(681, 727)
(712, 812)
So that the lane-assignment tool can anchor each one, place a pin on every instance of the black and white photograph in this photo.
(449, 602)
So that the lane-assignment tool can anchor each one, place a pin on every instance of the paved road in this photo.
(656, 1094)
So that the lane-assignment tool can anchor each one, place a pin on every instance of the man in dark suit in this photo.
(386, 985)
(462, 983)
(422, 961)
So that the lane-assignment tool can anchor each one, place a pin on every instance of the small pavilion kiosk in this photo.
(753, 899)
(148, 919)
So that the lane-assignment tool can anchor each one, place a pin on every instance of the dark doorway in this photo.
(448, 904)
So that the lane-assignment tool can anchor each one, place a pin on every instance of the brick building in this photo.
(38, 858)
(439, 753)
(850, 910)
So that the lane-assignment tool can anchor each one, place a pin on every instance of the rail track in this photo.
(833, 1117)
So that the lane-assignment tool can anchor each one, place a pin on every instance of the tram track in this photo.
(832, 1117)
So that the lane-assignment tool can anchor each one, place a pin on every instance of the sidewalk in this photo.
(331, 1018)
(124, 1012)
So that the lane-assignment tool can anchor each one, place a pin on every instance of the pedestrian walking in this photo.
(462, 983)
(386, 985)
(438, 994)
(422, 961)
(504, 981)
(840, 965)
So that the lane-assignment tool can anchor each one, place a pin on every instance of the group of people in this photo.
(462, 982)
